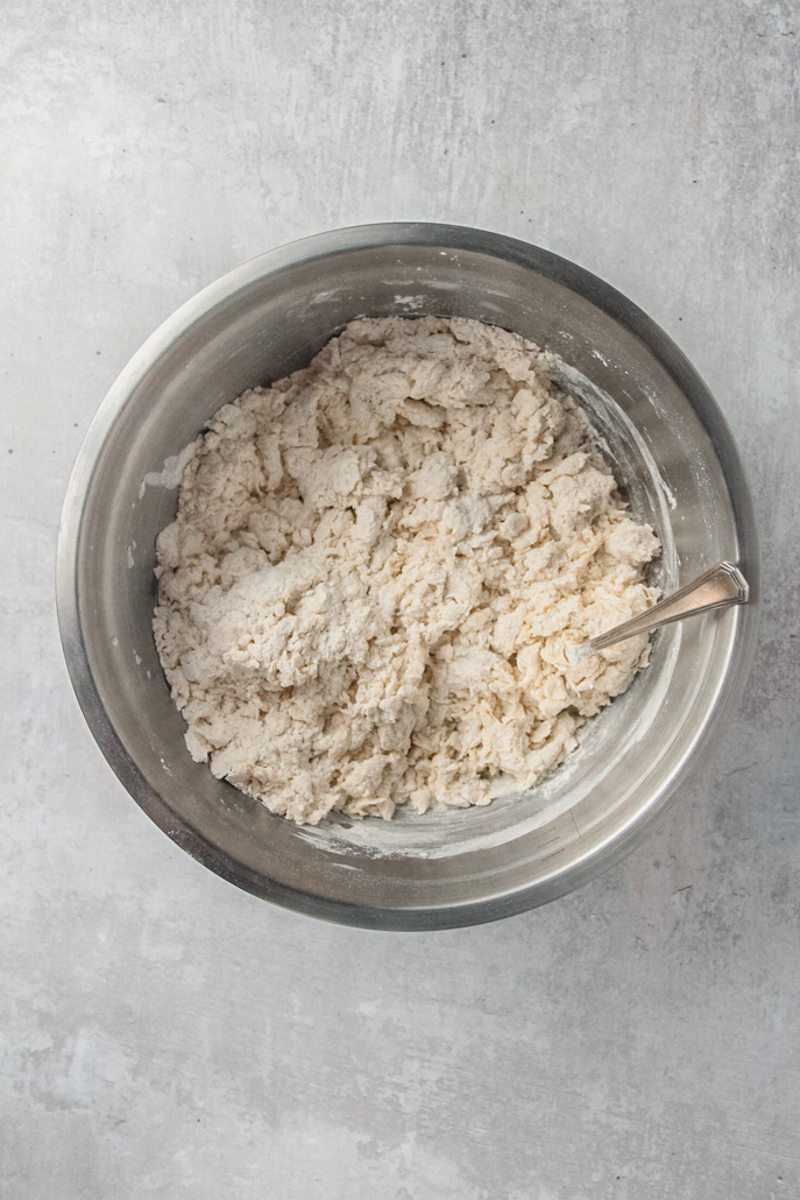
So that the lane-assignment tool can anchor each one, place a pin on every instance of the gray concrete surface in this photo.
(163, 1034)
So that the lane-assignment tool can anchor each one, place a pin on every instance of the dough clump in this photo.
(379, 566)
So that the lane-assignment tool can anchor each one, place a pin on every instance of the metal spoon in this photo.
(720, 587)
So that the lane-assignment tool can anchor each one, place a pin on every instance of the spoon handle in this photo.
(723, 585)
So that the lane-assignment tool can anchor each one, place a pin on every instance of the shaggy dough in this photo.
(378, 567)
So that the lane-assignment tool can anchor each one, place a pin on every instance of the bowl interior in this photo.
(257, 325)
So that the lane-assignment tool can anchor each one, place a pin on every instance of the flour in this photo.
(378, 568)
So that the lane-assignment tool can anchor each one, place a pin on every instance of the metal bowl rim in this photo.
(363, 237)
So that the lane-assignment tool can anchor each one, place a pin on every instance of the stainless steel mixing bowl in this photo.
(263, 320)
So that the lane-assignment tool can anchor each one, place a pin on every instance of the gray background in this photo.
(163, 1034)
